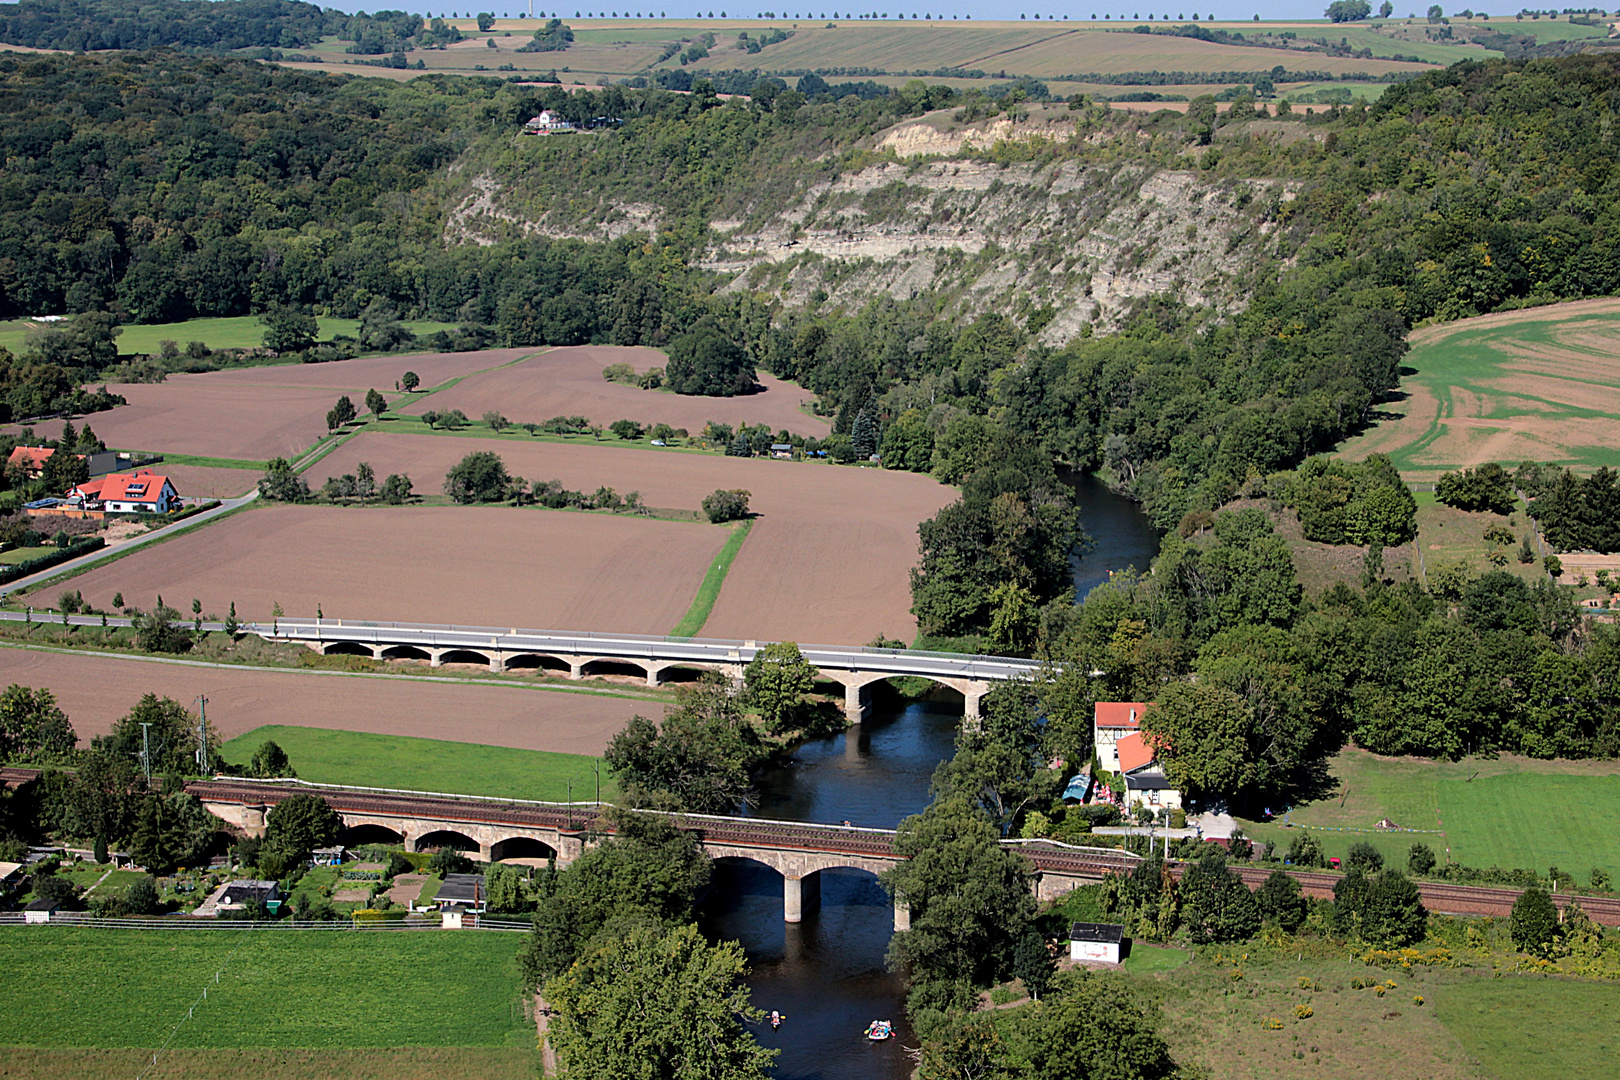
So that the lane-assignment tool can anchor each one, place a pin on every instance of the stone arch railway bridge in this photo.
(580, 654)
(498, 829)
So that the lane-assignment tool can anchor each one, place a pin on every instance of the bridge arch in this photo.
(614, 666)
(521, 847)
(446, 838)
(463, 656)
(538, 662)
(405, 652)
(360, 833)
(347, 648)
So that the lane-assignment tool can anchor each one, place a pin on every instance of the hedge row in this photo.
(55, 558)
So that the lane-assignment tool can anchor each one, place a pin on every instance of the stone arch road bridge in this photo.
(500, 829)
(578, 654)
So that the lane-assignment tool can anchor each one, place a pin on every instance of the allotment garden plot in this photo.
(827, 560)
(568, 382)
(95, 690)
(1541, 384)
(483, 566)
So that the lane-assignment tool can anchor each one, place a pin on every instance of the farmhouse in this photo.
(126, 493)
(1112, 721)
(1097, 943)
(1145, 782)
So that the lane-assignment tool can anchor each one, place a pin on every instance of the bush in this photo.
(1281, 901)
(625, 429)
(1365, 856)
(1420, 859)
(725, 505)
(450, 861)
(397, 864)
(1534, 922)
(480, 477)
(1304, 850)
(1488, 487)
(141, 898)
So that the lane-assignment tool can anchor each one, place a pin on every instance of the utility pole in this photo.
(598, 767)
(202, 734)
(146, 753)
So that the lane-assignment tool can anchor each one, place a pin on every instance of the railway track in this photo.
(1045, 857)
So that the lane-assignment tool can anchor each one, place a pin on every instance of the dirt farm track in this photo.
(470, 565)
(96, 690)
(828, 557)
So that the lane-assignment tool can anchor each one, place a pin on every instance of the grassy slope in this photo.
(1510, 812)
(74, 988)
(397, 761)
(404, 1063)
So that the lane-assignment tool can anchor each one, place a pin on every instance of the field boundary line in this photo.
(713, 581)
(450, 679)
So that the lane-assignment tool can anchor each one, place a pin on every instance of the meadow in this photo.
(240, 332)
(367, 759)
(1468, 1026)
(68, 987)
(1540, 384)
(1508, 811)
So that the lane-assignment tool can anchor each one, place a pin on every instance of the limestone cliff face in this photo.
(934, 216)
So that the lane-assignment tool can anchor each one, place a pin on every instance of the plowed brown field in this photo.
(197, 481)
(568, 382)
(485, 566)
(263, 412)
(828, 557)
(96, 690)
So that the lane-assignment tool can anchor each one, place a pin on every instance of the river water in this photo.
(826, 974)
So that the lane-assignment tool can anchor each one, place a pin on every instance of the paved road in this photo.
(114, 550)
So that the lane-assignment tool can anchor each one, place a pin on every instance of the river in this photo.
(826, 974)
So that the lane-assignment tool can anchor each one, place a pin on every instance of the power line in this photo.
(191, 1012)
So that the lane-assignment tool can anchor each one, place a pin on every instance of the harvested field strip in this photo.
(73, 987)
(366, 759)
(96, 689)
(691, 623)
(469, 566)
(213, 462)
(1539, 384)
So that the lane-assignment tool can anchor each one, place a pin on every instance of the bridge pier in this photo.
(857, 699)
(800, 896)
(902, 916)
(436, 657)
(576, 669)
(973, 705)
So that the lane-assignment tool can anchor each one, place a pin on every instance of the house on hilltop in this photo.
(31, 458)
(548, 123)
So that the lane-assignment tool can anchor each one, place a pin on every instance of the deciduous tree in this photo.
(776, 681)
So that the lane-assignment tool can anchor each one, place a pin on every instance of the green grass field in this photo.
(67, 987)
(243, 332)
(1527, 1027)
(1541, 384)
(397, 761)
(17, 555)
(1508, 812)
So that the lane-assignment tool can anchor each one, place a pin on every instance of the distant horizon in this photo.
(1226, 12)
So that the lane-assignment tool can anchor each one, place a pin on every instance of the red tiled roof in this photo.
(117, 487)
(90, 489)
(1134, 752)
(1120, 714)
(31, 456)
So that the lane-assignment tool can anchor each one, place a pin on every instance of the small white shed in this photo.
(1095, 943)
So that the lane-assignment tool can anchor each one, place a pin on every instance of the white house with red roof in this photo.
(1121, 748)
(1112, 721)
(127, 493)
